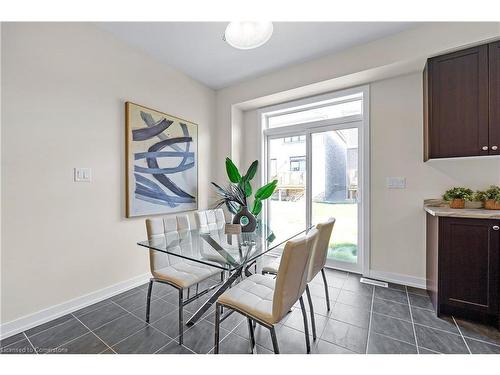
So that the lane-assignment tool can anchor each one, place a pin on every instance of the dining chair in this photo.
(209, 220)
(316, 264)
(181, 274)
(265, 300)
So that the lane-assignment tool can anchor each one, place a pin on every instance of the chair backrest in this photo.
(320, 251)
(209, 220)
(164, 229)
(292, 273)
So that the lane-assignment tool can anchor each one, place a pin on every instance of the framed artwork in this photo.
(162, 162)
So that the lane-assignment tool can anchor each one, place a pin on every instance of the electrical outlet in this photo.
(396, 182)
(83, 175)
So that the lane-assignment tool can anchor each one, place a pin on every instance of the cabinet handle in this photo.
(494, 148)
(485, 148)
(496, 227)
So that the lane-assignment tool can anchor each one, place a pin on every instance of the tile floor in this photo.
(362, 319)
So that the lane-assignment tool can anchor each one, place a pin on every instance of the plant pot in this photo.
(251, 222)
(457, 203)
(491, 204)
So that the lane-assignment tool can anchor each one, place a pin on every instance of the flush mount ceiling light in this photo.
(248, 35)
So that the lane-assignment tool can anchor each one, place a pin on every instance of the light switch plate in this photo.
(396, 182)
(83, 175)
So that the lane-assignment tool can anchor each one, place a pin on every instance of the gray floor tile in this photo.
(345, 335)
(420, 292)
(335, 273)
(52, 323)
(325, 347)
(480, 347)
(296, 321)
(318, 290)
(426, 351)
(133, 301)
(169, 324)
(396, 287)
(430, 319)
(479, 331)
(101, 316)
(391, 295)
(86, 344)
(229, 323)
(118, 329)
(333, 281)
(352, 284)
(384, 345)
(200, 337)
(319, 305)
(58, 335)
(159, 309)
(392, 327)
(12, 339)
(162, 290)
(146, 341)
(92, 307)
(351, 315)
(423, 302)
(174, 348)
(18, 347)
(361, 301)
(390, 308)
(290, 341)
(107, 351)
(234, 344)
(440, 341)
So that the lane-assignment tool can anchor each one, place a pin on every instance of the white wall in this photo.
(392, 66)
(64, 88)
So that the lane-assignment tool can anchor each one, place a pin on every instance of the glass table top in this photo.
(215, 248)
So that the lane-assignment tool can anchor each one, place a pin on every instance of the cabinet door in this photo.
(468, 263)
(494, 130)
(458, 103)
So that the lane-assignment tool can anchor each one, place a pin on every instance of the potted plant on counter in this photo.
(457, 196)
(490, 197)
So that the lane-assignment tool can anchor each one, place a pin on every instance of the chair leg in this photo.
(148, 302)
(217, 325)
(311, 308)
(275, 340)
(326, 289)
(306, 329)
(252, 334)
(181, 318)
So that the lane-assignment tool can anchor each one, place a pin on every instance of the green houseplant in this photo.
(490, 197)
(237, 195)
(457, 196)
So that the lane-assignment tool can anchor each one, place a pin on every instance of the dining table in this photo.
(236, 255)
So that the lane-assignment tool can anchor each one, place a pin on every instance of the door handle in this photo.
(496, 227)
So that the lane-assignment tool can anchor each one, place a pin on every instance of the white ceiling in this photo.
(197, 48)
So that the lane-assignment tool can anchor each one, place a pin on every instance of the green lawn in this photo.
(289, 217)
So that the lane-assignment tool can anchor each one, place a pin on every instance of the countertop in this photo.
(437, 207)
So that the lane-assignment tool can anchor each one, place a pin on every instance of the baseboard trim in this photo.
(417, 282)
(32, 320)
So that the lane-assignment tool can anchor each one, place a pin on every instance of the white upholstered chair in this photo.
(265, 300)
(210, 220)
(316, 265)
(174, 271)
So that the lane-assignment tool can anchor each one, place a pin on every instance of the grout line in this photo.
(46, 329)
(393, 338)
(94, 309)
(463, 338)
(437, 329)
(423, 347)
(412, 322)
(33, 346)
(110, 348)
(370, 322)
(14, 342)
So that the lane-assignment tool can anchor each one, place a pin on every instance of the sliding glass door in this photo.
(317, 152)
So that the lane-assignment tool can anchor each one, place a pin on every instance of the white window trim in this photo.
(310, 127)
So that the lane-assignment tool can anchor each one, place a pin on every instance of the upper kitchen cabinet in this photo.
(461, 103)
(494, 83)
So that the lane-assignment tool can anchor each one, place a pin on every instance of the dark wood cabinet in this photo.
(461, 99)
(494, 104)
(463, 267)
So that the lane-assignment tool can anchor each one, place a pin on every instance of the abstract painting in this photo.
(162, 167)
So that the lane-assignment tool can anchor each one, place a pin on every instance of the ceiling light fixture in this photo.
(248, 35)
